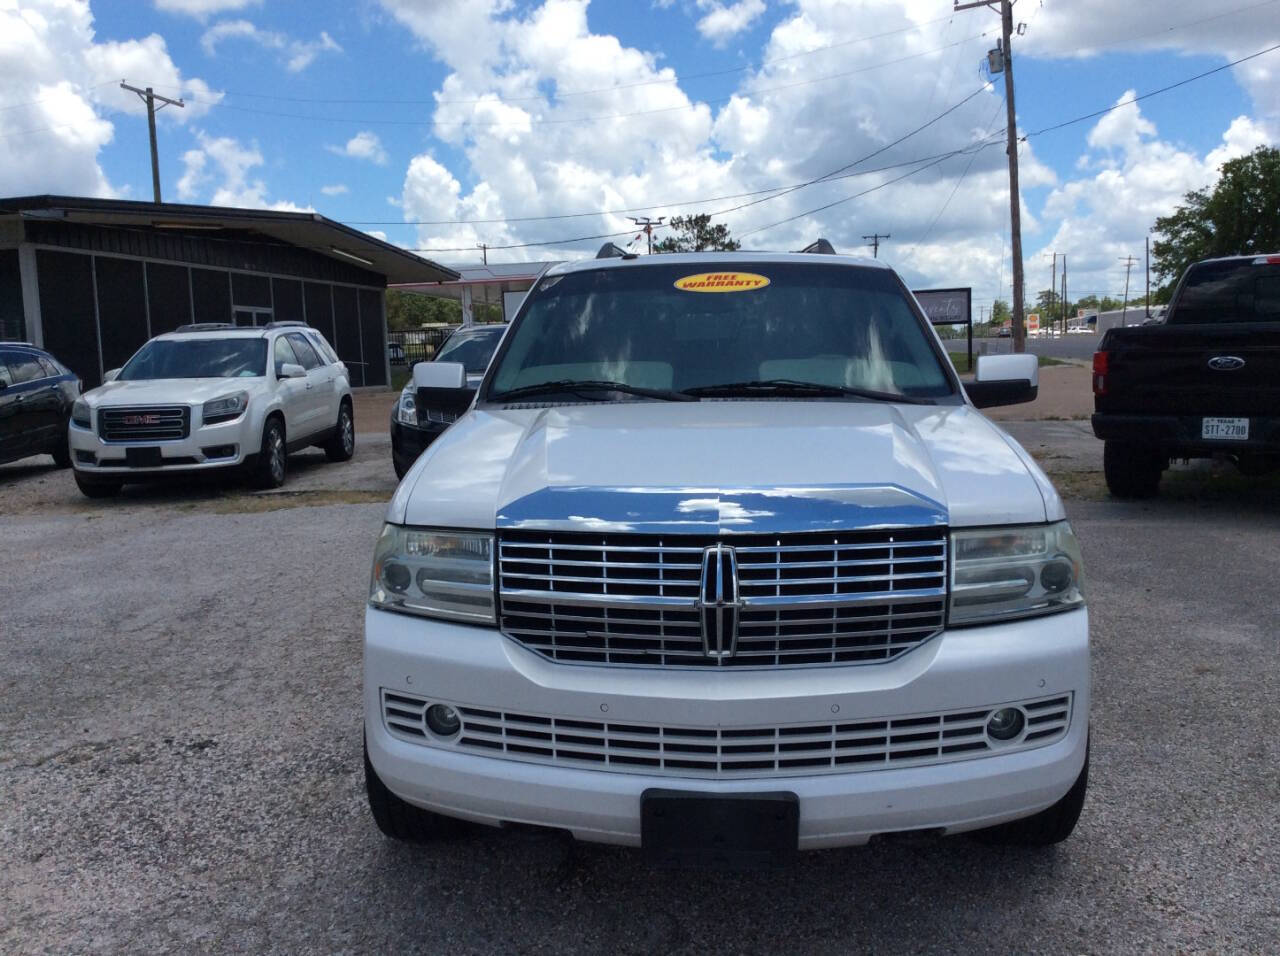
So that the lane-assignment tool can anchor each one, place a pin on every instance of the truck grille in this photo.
(805, 600)
(717, 752)
(144, 423)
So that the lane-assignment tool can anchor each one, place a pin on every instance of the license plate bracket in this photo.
(142, 457)
(1228, 429)
(690, 828)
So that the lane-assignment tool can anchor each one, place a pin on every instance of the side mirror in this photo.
(441, 386)
(290, 370)
(1004, 380)
(110, 375)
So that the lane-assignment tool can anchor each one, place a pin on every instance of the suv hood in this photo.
(730, 467)
(167, 391)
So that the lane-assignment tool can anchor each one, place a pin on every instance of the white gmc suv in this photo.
(724, 562)
(213, 396)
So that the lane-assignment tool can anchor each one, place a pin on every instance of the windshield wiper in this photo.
(576, 385)
(787, 386)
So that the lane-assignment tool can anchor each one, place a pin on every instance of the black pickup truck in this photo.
(1204, 384)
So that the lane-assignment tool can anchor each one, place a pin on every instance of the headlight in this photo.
(434, 573)
(225, 408)
(407, 408)
(80, 415)
(1014, 571)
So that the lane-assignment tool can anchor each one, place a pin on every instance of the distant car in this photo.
(36, 395)
(1004, 333)
(395, 353)
(411, 433)
(213, 396)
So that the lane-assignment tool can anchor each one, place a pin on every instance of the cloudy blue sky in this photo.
(441, 124)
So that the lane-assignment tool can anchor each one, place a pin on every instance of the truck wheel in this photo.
(343, 443)
(400, 820)
(1048, 826)
(61, 451)
(1132, 471)
(270, 468)
(98, 487)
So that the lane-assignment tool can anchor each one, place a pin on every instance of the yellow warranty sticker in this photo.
(722, 282)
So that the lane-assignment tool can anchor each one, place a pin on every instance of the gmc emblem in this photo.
(141, 420)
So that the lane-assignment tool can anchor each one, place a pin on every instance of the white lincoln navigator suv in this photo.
(724, 562)
(213, 396)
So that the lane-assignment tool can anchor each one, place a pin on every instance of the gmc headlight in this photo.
(434, 573)
(407, 408)
(1014, 571)
(80, 415)
(224, 409)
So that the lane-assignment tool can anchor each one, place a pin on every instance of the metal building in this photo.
(92, 279)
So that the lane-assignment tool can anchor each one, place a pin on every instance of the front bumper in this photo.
(972, 668)
(410, 441)
(224, 445)
(1179, 435)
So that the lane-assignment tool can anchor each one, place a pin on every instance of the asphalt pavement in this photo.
(180, 767)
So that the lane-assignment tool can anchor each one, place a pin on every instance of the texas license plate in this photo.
(683, 828)
(1236, 429)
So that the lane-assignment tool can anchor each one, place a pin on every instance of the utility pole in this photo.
(150, 97)
(1015, 211)
(647, 224)
(1148, 257)
(1053, 280)
(1064, 293)
(484, 252)
(1128, 264)
(875, 238)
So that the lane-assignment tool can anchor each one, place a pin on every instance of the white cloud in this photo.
(224, 163)
(61, 86)
(364, 145)
(203, 9)
(298, 54)
(336, 189)
(722, 22)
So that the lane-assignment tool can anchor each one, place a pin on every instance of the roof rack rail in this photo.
(611, 251)
(821, 247)
(285, 324)
(206, 327)
(30, 345)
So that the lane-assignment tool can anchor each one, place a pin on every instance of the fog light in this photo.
(396, 577)
(1006, 723)
(443, 720)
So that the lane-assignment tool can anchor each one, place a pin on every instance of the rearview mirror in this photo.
(441, 386)
(290, 370)
(439, 375)
(1004, 380)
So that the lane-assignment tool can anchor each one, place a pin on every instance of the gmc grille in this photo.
(144, 423)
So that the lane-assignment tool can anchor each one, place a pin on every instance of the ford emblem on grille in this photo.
(719, 602)
(1226, 363)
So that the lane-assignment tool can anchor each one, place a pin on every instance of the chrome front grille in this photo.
(144, 423)
(718, 752)
(805, 599)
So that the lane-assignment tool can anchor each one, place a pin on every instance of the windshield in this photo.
(1232, 291)
(680, 327)
(197, 358)
(472, 347)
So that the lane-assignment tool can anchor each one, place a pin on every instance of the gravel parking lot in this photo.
(180, 769)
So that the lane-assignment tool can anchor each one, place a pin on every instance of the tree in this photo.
(1237, 217)
(999, 312)
(409, 310)
(696, 234)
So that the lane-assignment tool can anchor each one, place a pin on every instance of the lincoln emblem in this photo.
(719, 603)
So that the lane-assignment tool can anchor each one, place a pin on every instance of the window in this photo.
(322, 346)
(307, 357)
(5, 377)
(284, 354)
(473, 348)
(197, 358)
(50, 367)
(1228, 291)
(24, 367)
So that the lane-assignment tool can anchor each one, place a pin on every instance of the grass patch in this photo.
(280, 500)
(961, 361)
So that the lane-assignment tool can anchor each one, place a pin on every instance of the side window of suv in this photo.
(5, 377)
(284, 354)
(307, 357)
(24, 367)
(327, 354)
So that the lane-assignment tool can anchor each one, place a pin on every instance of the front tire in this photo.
(1132, 471)
(342, 446)
(271, 469)
(98, 487)
(61, 451)
(400, 820)
(1047, 827)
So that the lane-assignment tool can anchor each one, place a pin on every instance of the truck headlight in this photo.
(80, 415)
(224, 409)
(1014, 571)
(434, 573)
(407, 408)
